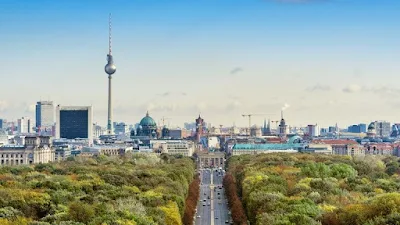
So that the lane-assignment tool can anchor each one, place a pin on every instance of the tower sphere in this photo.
(110, 68)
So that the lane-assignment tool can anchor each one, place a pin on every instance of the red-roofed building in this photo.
(379, 149)
(343, 146)
(274, 140)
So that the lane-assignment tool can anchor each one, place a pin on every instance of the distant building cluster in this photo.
(59, 132)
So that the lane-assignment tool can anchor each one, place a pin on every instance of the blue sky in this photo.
(330, 60)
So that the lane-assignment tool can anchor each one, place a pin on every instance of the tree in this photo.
(81, 212)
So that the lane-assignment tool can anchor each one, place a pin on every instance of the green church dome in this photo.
(147, 121)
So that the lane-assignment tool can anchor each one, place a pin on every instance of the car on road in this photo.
(226, 221)
(198, 216)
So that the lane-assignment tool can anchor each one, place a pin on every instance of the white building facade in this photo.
(173, 147)
(24, 125)
(36, 150)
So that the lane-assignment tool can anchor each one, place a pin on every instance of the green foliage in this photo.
(318, 189)
(132, 190)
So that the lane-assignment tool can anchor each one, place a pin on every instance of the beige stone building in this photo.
(37, 149)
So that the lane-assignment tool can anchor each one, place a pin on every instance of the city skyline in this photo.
(330, 61)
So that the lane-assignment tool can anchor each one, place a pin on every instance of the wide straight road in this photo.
(221, 210)
(212, 208)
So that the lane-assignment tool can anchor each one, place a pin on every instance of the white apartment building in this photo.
(98, 131)
(24, 125)
(3, 138)
(173, 147)
(108, 150)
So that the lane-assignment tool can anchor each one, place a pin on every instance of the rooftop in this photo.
(336, 142)
(11, 147)
(267, 146)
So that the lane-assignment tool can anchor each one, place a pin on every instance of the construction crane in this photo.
(163, 120)
(276, 123)
(251, 115)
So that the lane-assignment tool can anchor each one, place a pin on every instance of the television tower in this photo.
(110, 69)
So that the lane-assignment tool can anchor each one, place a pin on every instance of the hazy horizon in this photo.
(324, 61)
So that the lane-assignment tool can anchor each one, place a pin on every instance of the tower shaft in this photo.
(109, 121)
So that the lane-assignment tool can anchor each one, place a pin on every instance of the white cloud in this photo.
(385, 90)
(168, 93)
(285, 106)
(154, 107)
(3, 106)
(201, 106)
(318, 87)
(30, 108)
(233, 105)
(332, 102)
(353, 88)
(381, 90)
(236, 70)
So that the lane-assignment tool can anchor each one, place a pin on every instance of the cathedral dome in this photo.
(147, 121)
(371, 126)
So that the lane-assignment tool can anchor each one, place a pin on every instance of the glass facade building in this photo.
(74, 122)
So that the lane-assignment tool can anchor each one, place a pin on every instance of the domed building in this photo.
(371, 130)
(147, 127)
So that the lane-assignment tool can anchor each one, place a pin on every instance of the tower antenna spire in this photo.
(110, 69)
(109, 34)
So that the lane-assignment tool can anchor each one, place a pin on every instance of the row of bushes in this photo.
(238, 213)
(191, 201)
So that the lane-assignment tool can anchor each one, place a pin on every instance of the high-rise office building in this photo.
(313, 130)
(363, 127)
(383, 128)
(45, 117)
(120, 128)
(2, 124)
(360, 128)
(74, 122)
(98, 131)
(353, 129)
(24, 125)
(44, 114)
